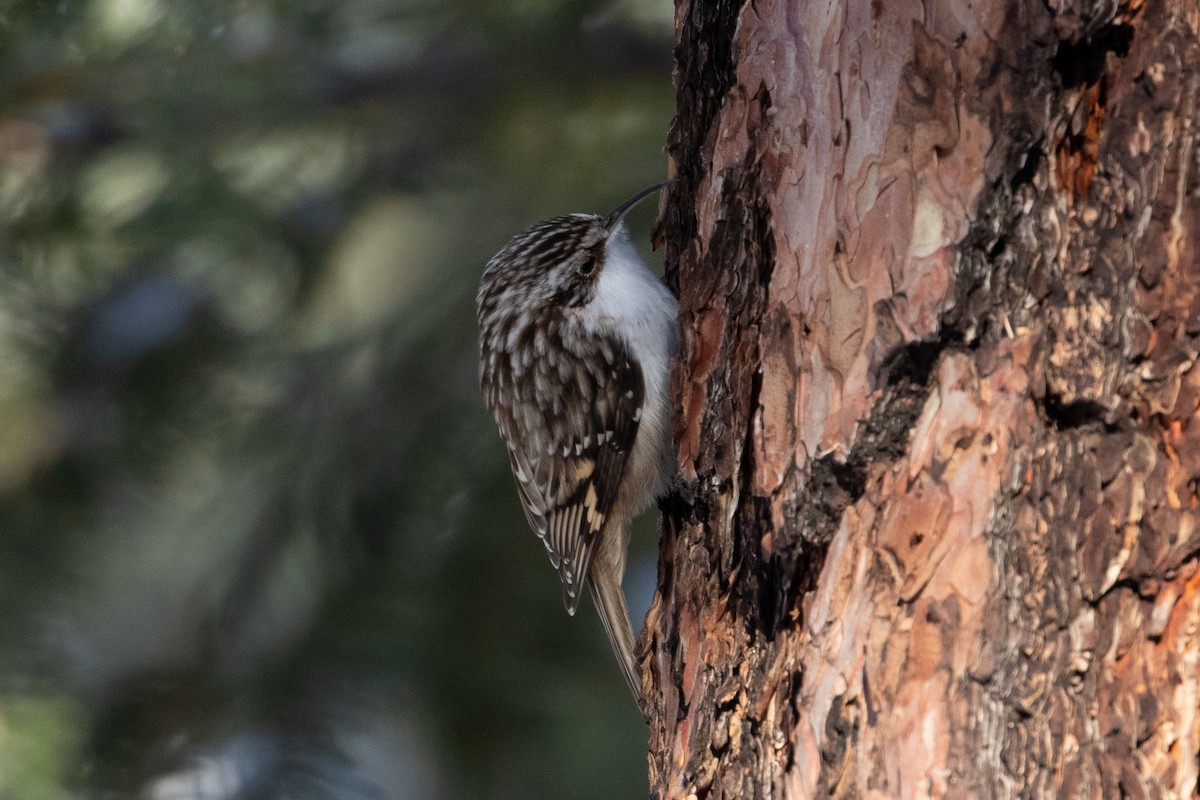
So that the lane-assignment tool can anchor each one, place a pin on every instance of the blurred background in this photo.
(258, 538)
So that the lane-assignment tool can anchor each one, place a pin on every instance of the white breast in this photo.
(633, 303)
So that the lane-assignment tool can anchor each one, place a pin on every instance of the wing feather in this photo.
(569, 485)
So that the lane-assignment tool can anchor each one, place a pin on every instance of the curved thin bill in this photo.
(620, 211)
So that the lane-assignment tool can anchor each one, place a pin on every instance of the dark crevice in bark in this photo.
(1066, 416)
(850, 477)
(1029, 169)
(912, 364)
(772, 588)
(884, 436)
(826, 499)
(1082, 63)
(782, 578)
(685, 505)
(834, 484)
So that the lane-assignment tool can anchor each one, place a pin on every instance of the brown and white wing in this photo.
(569, 488)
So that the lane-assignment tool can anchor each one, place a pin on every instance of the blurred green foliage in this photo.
(257, 535)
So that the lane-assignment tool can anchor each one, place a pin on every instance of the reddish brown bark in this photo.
(939, 428)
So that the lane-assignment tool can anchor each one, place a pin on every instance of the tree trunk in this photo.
(939, 436)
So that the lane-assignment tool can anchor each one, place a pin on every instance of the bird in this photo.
(576, 337)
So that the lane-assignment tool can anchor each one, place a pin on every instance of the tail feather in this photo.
(610, 604)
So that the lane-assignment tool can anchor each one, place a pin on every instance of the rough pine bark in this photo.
(939, 436)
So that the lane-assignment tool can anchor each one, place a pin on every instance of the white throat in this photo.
(633, 303)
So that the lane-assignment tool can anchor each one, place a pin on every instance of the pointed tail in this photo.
(610, 603)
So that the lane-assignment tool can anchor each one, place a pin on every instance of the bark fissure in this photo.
(1066, 416)
(1084, 61)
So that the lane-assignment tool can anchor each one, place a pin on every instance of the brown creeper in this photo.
(575, 337)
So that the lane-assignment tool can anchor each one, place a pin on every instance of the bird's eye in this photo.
(589, 264)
